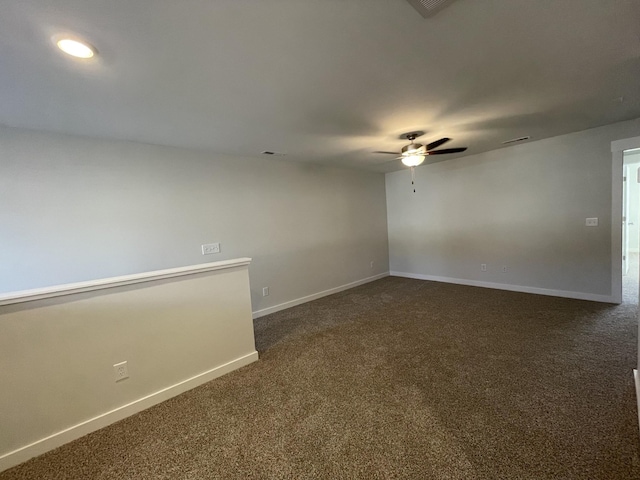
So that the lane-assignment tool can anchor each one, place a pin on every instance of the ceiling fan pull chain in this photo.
(413, 178)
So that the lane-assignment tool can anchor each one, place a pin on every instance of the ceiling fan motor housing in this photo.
(412, 148)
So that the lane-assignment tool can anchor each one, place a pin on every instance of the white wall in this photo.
(75, 209)
(523, 207)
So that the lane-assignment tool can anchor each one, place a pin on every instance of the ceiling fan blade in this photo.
(437, 143)
(444, 151)
(387, 162)
(390, 153)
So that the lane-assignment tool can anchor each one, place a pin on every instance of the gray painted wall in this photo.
(75, 209)
(523, 207)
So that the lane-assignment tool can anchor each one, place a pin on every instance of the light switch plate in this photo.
(210, 248)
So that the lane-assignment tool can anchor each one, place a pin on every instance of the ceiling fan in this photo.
(414, 154)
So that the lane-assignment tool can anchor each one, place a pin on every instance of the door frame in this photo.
(617, 152)
(625, 219)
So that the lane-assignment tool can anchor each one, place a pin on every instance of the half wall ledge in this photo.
(100, 284)
(175, 329)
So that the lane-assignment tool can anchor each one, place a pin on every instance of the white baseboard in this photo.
(43, 445)
(513, 288)
(315, 296)
(636, 377)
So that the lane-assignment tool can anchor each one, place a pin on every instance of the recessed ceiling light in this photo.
(76, 48)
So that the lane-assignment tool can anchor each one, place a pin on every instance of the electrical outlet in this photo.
(504, 269)
(483, 267)
(121, 371)
(591, 222)
(265, 292)
(210, 248)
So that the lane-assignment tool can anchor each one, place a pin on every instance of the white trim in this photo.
(315, 296)
(72, 288)
(616, 225)
(617, 155)
(636, 378)
(512, 288)
(43, 445)
(625, 144)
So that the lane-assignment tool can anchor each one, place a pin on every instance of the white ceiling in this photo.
(323, 81)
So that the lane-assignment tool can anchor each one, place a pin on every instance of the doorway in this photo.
(630, 225)
(618, 150)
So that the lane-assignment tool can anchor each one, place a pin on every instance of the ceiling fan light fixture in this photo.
(412, 160)
(414, 154)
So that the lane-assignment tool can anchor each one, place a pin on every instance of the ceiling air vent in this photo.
(428, 8)
(514, 140)
(276, 154)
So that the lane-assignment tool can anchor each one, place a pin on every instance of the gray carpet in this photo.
(398, 379)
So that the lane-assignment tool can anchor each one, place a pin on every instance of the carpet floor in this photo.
(398, 378)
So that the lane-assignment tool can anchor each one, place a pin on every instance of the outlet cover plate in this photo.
(121, 371)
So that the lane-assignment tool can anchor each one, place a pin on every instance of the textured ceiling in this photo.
(322, 81)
